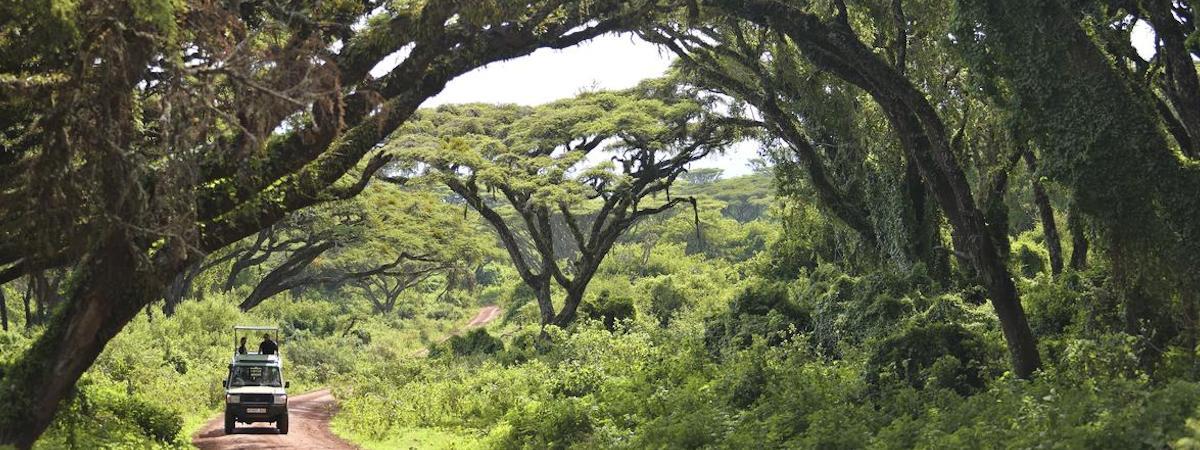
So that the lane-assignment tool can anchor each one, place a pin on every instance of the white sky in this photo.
(607, 62)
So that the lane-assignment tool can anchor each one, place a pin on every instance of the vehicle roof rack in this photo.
(255, 357)
(254, 328)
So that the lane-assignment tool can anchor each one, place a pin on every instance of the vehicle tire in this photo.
(230, 423)
(282, 424)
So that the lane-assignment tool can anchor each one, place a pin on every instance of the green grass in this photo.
(414, 438)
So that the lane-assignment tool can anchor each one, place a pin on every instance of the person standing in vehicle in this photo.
(267, 346)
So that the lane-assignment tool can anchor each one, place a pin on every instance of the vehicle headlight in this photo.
(280, 399)
(233, 399)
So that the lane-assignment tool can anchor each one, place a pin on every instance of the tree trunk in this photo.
(545, 302)
(1079, 241)
(996, 212)
(110, 292)
(3, 311)
(29, 318)
(570, 306)
(282, 278)
(1112, 153)
(179, 288)
(925, 235)
(1049, 226)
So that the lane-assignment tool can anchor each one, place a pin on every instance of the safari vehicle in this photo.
(255, 390)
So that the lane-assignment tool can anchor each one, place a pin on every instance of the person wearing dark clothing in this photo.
(242, 348)
(267, 347)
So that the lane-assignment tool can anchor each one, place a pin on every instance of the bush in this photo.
(156, 422)
(552, 424)
(762, 309)
(608, 308)
(475, 342)
(944, 355)
(665, 300)
(1029, 258)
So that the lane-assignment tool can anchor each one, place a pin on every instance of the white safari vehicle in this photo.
(255, 390)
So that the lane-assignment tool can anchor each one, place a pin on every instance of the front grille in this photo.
(257, 398)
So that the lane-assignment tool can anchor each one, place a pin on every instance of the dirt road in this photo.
(486, 315)
(309, 416)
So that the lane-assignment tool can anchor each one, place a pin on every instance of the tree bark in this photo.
(248, 257)
(1049, 226)
(925, 229)
(545, 302)
(1181, 84)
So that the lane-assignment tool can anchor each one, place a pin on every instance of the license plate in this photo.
(256, 410)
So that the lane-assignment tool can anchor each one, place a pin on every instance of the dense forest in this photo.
(970, 223)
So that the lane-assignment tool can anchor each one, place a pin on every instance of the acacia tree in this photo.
(834, 151)
(543, 163)
(1124, 146)
(827, 39)
(136, 137)
(382, 242)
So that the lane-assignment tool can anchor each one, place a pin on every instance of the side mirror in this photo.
(225, 383)
(287, 384)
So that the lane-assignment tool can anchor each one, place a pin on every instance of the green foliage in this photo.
(554, 424)
(939, 354)
(761, 310)
(665, 299)
(156, 422)
(608, 308)
(474, 342)
(1029, 258)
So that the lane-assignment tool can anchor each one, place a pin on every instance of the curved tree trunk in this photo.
(179, 288)
(281, 278)
(545, 302)
(112, 289)
(570, 307)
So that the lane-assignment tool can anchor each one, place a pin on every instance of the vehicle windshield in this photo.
(241, 376)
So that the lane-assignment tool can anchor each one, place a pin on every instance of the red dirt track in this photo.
(309, 428)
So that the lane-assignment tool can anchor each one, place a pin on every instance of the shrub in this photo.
(608, 308)
(944, 355)
(156, 422)
(762, 309)
(665, 300)
(474, 342)
(1029, 258)
(553, 424)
